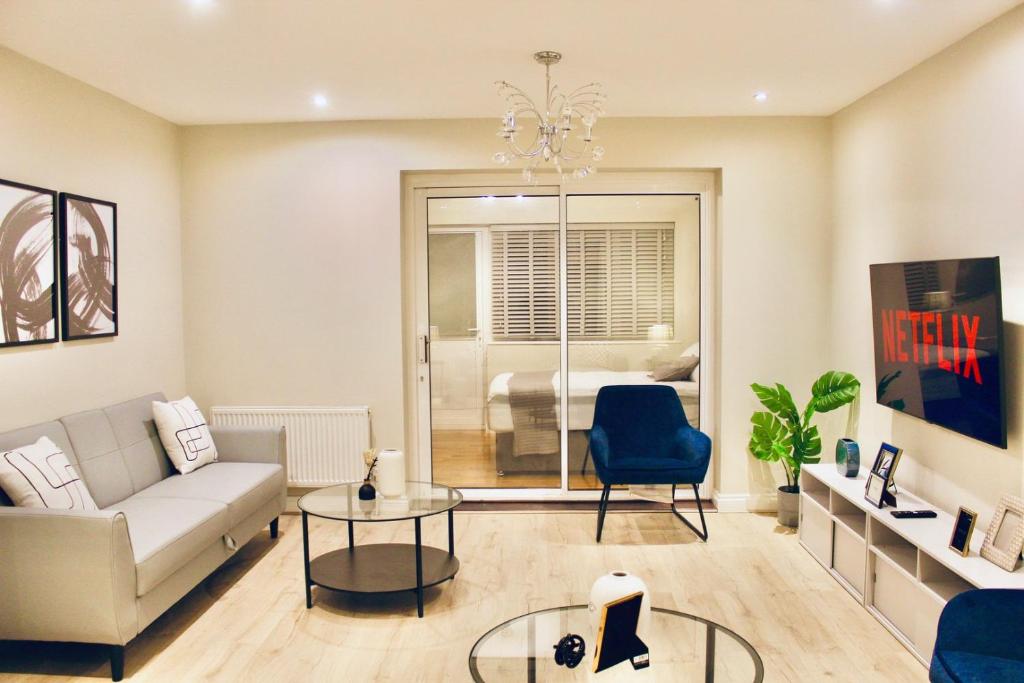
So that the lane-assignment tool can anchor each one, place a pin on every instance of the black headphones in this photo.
(570, 651)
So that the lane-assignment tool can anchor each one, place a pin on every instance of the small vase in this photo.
(366, 491)
(611, 587)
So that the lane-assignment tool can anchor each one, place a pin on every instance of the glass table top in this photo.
(421, 499)
(682, 647)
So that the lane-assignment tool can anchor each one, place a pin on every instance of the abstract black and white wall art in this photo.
(28, 265)
(88, 237)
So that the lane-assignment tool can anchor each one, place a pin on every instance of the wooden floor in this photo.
(249, 622)
(464, 458)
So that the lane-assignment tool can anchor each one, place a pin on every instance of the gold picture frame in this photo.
(963, 530)
(1005, 536)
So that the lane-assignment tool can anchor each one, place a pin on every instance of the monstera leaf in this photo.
(833, 390)
(769, 440)
(778, 400)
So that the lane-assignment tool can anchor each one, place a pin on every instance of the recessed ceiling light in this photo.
(201, 4)
(319, 100)
(761, 96)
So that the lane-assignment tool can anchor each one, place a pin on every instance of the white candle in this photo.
(391, 472)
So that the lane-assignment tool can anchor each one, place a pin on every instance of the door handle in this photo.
(424, 349)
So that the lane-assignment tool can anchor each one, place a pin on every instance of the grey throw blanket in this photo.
(535, 426)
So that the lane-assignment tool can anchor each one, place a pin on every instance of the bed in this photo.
(583, 388)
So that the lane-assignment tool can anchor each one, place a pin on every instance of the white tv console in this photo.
(901, 570)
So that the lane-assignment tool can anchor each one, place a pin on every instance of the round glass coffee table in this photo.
(683, 647)
(380, 567)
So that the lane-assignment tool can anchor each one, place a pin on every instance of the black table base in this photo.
(382, 567)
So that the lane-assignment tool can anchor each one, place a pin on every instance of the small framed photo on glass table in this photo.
(874, 492)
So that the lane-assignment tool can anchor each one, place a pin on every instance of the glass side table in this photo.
(683, 647)
(381, 567)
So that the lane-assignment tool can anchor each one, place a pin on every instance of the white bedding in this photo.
(583, 388)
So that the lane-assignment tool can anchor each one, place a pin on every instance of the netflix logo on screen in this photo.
(925, 334)
(938, 342)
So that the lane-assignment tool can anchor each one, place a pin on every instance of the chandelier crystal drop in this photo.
(564, 129)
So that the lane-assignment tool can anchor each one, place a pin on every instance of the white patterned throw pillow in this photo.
(40, 476)
(184, 434)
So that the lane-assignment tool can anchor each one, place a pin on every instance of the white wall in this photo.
(931, 166)
(293, 256)
(59, 133)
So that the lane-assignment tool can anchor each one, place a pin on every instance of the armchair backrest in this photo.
(639, 418)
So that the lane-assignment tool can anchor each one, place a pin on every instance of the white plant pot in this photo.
(611, 587)
(390, 473)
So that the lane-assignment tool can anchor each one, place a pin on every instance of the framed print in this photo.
(886, 460)
(1005, 536)
(963, 529)
(875, 490)
(28, 265)
(88, 237)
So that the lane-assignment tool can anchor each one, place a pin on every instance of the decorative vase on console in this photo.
(611, 587)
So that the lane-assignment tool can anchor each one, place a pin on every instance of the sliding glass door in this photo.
(494, 264)
(633, 305)
(536, 299)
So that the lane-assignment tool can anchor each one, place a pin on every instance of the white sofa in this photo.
(103, 576)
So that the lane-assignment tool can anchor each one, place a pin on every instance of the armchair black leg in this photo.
(273, 527)
(116, 662)
(602, 509)
(702, 535)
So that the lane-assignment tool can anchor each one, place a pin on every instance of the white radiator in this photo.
(325, 444)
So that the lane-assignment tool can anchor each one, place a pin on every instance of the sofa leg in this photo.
(602, 509)
(702, 535)
(273, 527)
(116, 662)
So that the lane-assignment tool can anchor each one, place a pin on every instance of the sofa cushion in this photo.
(39, 476)
(168, 532)
(133, 425)
(99, 457)
(243, 486)
(52, 430)
(117, 449)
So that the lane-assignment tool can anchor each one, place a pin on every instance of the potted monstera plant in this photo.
(782, 433)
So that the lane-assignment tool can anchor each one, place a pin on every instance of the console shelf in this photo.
(901, 570)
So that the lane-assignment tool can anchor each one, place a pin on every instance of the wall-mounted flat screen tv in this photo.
(939, 343)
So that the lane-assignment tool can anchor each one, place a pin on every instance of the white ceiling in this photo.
(221, 61)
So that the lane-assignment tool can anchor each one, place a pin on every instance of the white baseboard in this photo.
(744, 502)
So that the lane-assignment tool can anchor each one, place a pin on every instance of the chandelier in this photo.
(564, 126)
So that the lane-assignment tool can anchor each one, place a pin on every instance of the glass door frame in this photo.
(419, 187)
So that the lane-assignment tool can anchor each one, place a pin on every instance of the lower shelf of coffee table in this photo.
(381, 568)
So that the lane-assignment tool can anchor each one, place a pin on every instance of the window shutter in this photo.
(621, 280)
(524, 283)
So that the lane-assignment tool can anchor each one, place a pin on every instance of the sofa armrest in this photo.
(66, 576)
(251, 444)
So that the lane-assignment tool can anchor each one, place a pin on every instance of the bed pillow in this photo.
(695, 375)
(677, 371)
(40, 476)
(184, 434)
(691, 350)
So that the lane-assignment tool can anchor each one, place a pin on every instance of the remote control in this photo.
(913, 514)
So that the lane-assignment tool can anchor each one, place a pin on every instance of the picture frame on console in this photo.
(963, 529)
(874, 492)
(882, 475)
(88, 237)
(28, 265)
(1004, 539)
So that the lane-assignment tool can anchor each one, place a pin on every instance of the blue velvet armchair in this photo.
(980, 638)
(640, 436)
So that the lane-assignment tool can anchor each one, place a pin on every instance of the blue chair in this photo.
(641, 436)
(981, 638)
